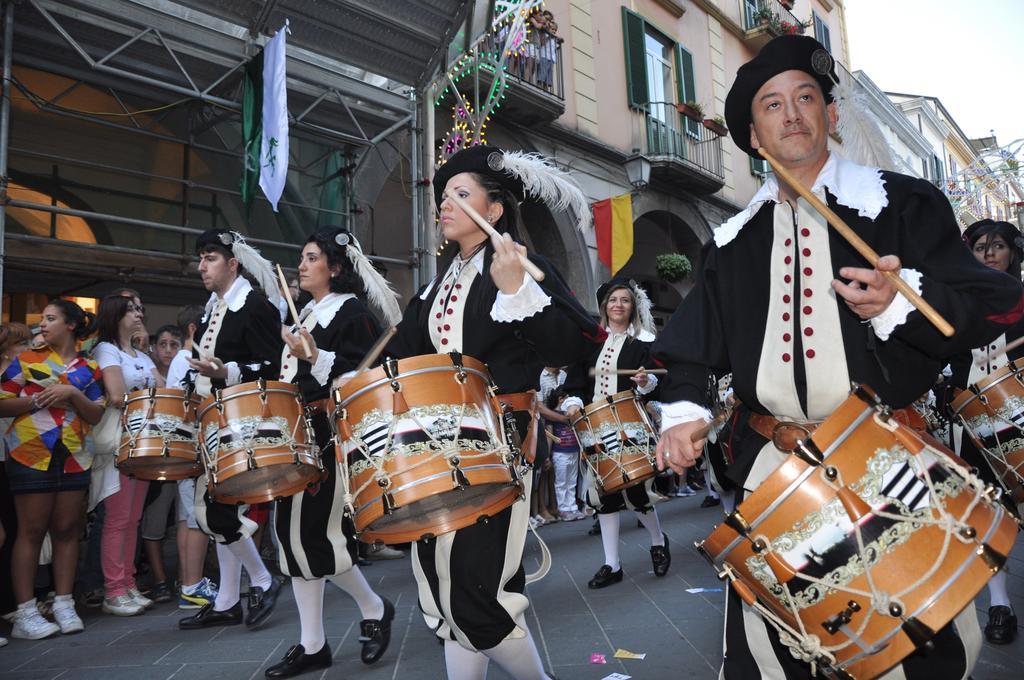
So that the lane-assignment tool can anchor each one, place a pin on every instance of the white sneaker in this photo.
(68, 620)
(139, 598)
(3, 641)
(29, 624)
(122, 605)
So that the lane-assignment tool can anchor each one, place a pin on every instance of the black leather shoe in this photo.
(605, 577)
(661, 558)
(1001, 628)
(296, 661)
(375, 635)
(261, 603)
(596, 529)
(710, 502)
(208, 617)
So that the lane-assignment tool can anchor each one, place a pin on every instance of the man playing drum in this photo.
(239, 341)
(796, 314)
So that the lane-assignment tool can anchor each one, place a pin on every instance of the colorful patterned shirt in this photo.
(35, 437)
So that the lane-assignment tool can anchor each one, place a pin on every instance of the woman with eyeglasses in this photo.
(125, 369)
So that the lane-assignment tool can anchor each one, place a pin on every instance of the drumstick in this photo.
(377, 348)
(706, 430)
(866, 251)
(530, 267)
(628, 371)
(291, 305)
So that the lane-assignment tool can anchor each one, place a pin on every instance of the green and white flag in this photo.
(265, 122)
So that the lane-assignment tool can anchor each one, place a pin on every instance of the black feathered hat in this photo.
(785, 53)
(524, 174)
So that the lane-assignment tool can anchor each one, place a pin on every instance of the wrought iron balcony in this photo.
(534, 80)
(767, 19)
(683, 152)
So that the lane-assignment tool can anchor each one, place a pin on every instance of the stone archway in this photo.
(658, 230)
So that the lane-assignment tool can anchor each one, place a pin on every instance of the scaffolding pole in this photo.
(414, 172)
(5, 123)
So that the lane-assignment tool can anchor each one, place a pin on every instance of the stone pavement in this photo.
(679, 632)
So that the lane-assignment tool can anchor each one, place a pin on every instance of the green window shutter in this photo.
(759, 167)
(685, 85)
(636, 59)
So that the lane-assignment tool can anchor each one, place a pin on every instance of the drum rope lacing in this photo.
(447, 448)
(809, 647)
(989, 453)
(616, 461)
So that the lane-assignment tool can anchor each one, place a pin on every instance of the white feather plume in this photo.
(548, 184)
(863, 141)
(643, 308)
(378, 289)
(257, 266)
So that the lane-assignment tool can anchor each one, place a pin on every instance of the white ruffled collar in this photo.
(326, 309)
(477, 262)
(855, 186)
(235, 297)
(643, 336)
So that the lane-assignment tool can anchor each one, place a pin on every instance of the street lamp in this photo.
(638, 170)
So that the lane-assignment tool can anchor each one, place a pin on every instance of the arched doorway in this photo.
(655, 232)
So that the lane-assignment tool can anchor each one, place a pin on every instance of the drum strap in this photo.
(545, 560)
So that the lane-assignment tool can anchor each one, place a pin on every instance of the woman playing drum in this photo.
(482, 304)
(998, 245)
(625, 313)
(317, 542)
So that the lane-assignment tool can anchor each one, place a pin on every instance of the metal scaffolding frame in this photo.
(201, 56)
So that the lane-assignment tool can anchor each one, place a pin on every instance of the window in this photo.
(937, 169)
(822, 32)
(953, 170)
(660, 78)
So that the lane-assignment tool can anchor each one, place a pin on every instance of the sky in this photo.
(968, 54)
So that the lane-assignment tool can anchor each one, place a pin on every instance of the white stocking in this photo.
(309, 598)
(610, 538)
(463, 664)
(354, 583)
(653, 525)
(519, 658)
(997, 591)
(230, 579)
(246, 552)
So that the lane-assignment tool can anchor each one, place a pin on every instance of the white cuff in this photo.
(897, 311)
(652, 382)
(524, 303)
(569, 402)
(679, 412)
(321, 370)
(234, 373)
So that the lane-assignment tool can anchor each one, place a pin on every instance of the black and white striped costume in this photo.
(763, 308)
(315, 539)
(471, 581)
(619, 351)
(242, 330)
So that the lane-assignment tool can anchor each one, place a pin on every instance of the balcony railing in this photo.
(683, 151)
(773, 17)
(539, 64)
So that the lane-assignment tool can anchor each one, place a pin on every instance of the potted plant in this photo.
(788, 4)
(716, 125)
(672, 267)
(692, 110)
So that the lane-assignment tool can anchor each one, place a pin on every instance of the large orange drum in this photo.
(864, 543)
(257, 443)
(992, 412)
(618, 441)
(422, 445)
(158, 435)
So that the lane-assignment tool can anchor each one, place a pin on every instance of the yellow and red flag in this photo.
(613, 226)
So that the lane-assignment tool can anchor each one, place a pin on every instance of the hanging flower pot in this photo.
(672, 267)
